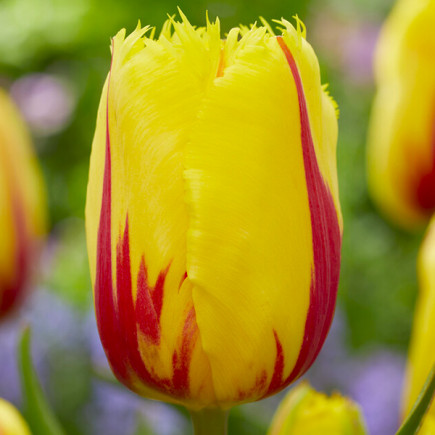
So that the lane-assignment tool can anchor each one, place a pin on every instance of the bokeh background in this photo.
(54, 56)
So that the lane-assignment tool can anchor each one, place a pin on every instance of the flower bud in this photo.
(212, 216)
(401, 149)
(11, 421)
(22, 206)
(304, 411)
(422, 350)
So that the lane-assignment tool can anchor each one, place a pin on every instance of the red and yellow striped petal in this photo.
(22, 206)
(401, 152)
(213, 219)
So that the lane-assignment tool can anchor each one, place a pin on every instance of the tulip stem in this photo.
(210, 421)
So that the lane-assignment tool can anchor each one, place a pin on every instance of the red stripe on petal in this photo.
(12, 292)
(121, 321)
(128, 315)
(326, 236)
(181, 360)
(276, 381)
(183, 278)
(107, 322)
(157, 294)
(117, 327)
(145, 310)
(425, 189)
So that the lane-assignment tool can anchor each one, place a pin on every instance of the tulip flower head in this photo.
(422, 350)
(304, 411)
(212, 216)
(401, 151)
(22, 206)
(11, 421)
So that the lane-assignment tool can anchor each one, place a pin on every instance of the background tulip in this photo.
(422, 350)
(304, 411)
(11, 422)
(22, 206)
(401, 154)
(212, 216)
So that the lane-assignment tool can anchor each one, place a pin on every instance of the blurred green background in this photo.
(54, 56)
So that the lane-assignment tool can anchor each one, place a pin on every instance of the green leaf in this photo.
(36, 409)
(415, 417)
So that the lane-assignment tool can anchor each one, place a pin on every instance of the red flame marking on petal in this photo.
(326, 236)
(12, 293)
(425, 189)
(276, 381)
(117, 328)
(128, 315)
(107, 322)
(183, 278)
(257, 388)
(181, 361)
(145, 309)
(118, 325)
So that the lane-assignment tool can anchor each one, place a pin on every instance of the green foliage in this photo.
(37, 410)
(412, 423)
(68, 270)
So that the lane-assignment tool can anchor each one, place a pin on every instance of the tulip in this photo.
(401, 149)
(11, 421)
(22, 207)
(212, 215)
(422, 350)
(304, 411)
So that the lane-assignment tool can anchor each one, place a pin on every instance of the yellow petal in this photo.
(22, 205)
(401, 148)
(304, 411)
(11, 421)
(421, 354)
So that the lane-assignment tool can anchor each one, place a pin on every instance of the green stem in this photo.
(210, 421)
(415, 417)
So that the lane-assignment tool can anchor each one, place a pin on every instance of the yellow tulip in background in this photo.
(213, 219)
(22, 206)
(304, 411)
(422, 348)
(11, 421)
(401, 153)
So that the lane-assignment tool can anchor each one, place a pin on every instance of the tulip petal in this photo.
(250, 249)
(421, 354)
(216, 205)
(140, 248)
(22, 201)
(401, 145)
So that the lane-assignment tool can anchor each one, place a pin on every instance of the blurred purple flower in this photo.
(358, 52)
(347, 44)
(45, 101)
(376, 385)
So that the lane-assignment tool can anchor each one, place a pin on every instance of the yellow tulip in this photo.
(401, 151)
(422, 350)
(212, 216)
(22, 206)
(304, 411)
(11, 421)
